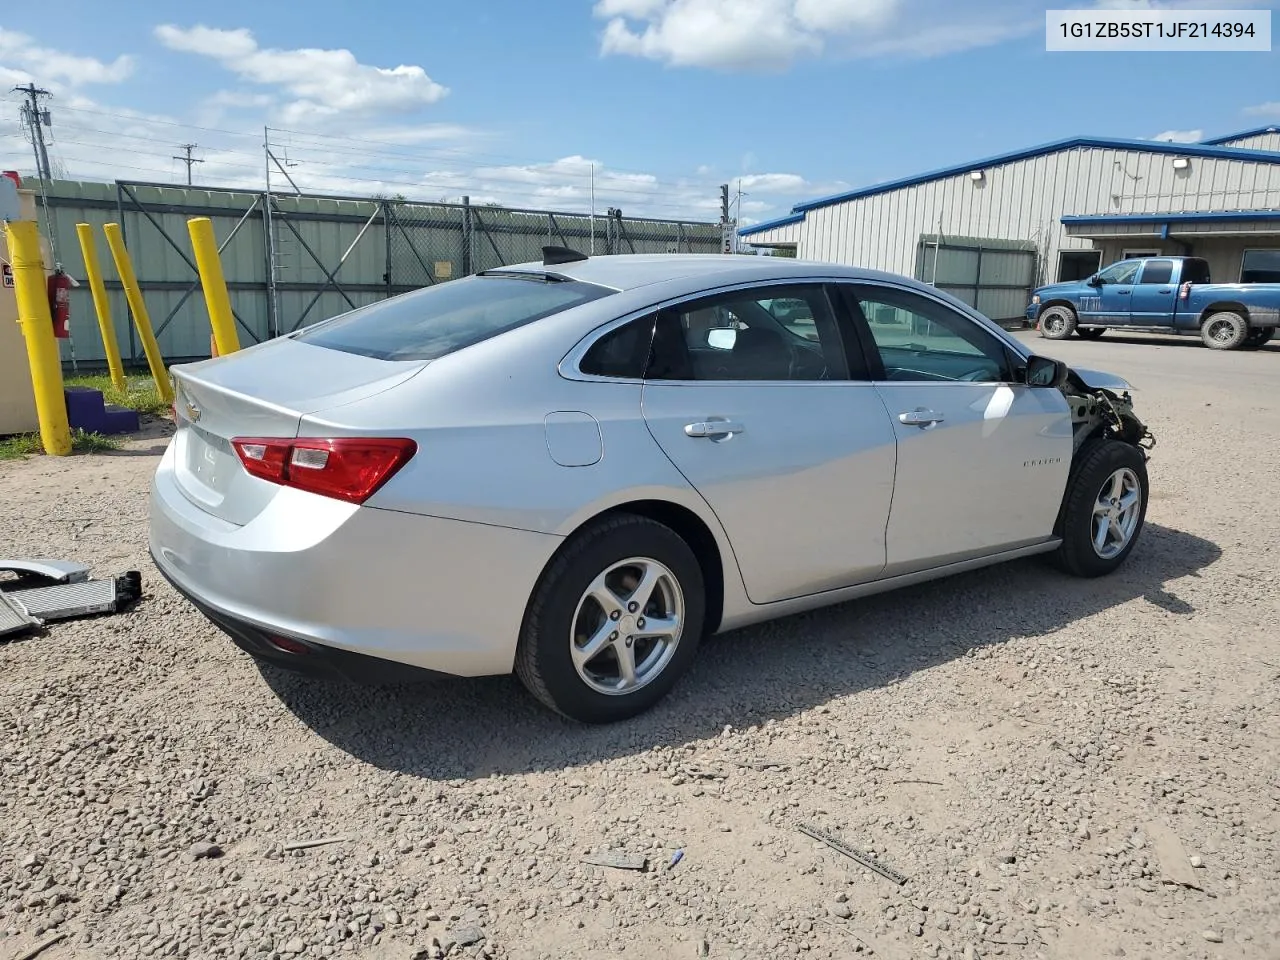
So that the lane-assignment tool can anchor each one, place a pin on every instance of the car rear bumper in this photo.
(442, 595)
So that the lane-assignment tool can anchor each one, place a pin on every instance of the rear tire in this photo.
(1099, 528)
(1258, 338)
(1057, 323)
(1225, 330)
(1090, 333)
(584, 593)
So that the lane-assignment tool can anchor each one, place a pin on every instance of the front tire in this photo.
(1225, 330)
(1057, 323)
(1104, 509)
(614, 621)
(1090, 333)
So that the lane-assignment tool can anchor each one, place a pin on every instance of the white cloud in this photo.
(357, 153)
(772, 183)
(1180, 136)
(770, 35)
(1271, 109)
(320, 84)
(21, 57)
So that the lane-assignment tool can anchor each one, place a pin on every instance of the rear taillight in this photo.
(346, 468)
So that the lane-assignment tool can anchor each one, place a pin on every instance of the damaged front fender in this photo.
(1101, 407)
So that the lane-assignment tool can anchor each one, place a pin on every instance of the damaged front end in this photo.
(1101, 407)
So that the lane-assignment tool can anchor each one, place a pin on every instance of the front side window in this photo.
(1260, 266)
(766, 333)
(428, 324)
(921, 339)
(1123, 272)
(1157, 271)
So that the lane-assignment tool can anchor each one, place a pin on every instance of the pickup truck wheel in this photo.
(1258, 338)
(1057, 323)
(1224, 330)
(1090, 333)
(1103, 510)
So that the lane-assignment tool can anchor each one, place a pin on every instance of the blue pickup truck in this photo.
(1161, 295)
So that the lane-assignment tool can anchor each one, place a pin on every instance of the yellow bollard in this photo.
(133, 293)
(221, 319)
(101, 304)
(30, 285)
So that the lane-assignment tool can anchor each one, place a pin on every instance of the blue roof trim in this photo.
(1229, 216)
(1255, 132)
(1144, 146)
(771, 224)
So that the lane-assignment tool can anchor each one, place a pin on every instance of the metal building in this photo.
(991, 230)
(1260, 138)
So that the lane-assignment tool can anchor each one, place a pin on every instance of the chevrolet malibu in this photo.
(576, 469)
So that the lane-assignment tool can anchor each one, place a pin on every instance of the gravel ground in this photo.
(1061, 768)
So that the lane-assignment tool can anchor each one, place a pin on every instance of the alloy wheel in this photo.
(1115, 513)
(627, 626)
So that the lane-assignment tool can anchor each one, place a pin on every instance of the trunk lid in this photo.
(264, 391)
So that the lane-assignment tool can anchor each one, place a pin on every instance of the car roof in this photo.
(629, 271)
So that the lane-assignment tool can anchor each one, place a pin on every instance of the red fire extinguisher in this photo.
(60, 302)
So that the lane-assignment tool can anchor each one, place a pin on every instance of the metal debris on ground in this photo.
(616, 859)
(699, 772)
(47, 590)
(858, 856)
(762, 765)
(308, 844)
(40, 947)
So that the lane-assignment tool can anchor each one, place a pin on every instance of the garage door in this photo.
(993, 276)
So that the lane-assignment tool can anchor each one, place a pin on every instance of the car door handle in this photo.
(713, 429)
(1164, 291)
(920, 418)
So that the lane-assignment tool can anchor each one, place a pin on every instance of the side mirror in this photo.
(722, 338)
(1094, 281)
(1045, 372)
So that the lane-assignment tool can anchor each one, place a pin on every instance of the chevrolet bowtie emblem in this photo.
(193, 412)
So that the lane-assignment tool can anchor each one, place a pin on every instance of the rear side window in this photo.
(1195, 270)
(428, 324)
(622, 353)
(1157, 271)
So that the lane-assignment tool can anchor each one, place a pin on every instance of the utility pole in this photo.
(738, 216)
(726, 243)
(36, 120)
(188, 159)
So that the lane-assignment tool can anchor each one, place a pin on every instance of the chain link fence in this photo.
(291, 260)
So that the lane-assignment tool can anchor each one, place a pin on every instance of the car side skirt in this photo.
(782, 608)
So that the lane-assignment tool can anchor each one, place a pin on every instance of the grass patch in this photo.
(23, 445)
(84, 442)
(139, 392)
(20, 446)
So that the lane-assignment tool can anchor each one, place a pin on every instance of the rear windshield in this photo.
(430, 323)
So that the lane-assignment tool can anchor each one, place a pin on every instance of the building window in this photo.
(1260, 266)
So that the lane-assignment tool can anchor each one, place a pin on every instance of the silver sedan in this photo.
(576, 469)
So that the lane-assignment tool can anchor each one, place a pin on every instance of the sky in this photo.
(653, 103)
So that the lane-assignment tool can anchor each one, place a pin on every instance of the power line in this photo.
(188, 159)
